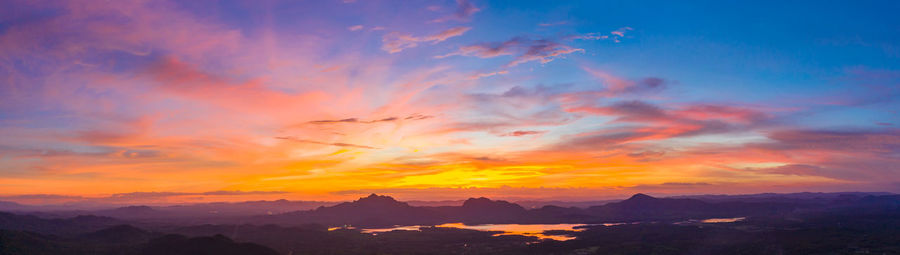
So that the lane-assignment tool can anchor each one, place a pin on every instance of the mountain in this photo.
(214, 245)
(121, 234)
(122, 240)
(60, 226)
(385, 211)
(13, 206)
(534, 204)
(641, 207)
(371, 211)
(483, 210)
(130, 212)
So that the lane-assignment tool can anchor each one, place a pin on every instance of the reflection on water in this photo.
(341, 227)
(536, 230)
(712, 220)
(723, 220)
(379, 230)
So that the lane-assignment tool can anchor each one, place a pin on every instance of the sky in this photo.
(186, 101)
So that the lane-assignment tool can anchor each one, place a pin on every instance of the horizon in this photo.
(101, 202)
(168, 102)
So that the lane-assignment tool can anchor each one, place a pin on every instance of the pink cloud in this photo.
(524, 133)
(397, 42)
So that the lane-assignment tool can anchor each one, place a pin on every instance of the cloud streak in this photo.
(396, 42)
(525, 50)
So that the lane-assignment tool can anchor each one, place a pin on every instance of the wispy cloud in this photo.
(339, 144)
(524, 133)
(525, 50)
(396, 42)
(615, 35)
(464, 10)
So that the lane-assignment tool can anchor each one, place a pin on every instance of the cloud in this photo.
(387, 119)
(464, 11)
(550, 24)
(621, 31)
(885, 143)
(133, 198)
(355, 28)
(487, 50)
(524, 133)
(652, 122)
(157, 195)
(525, 50)
(350, 120)
(615, 35)
(418, 117)
(396, 42)
(544, 52)
(325, 143)
(616, 85)
(484, 75)
(647, 154)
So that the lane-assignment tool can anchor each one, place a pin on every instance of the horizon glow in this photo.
(169, 101)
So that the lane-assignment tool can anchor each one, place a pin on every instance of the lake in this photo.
(536, 230)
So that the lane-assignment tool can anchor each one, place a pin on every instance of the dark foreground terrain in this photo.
(776, 224)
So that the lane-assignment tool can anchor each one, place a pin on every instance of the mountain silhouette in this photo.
(371, 211)
(59, 226)
(385, 211)
(215, 245)
(119, 234)
(484, 210)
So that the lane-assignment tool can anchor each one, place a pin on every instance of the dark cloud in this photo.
(388, 119)
(418, 117)
(350, 120)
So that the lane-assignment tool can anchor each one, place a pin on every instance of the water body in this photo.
(536, 230)
(712, 220)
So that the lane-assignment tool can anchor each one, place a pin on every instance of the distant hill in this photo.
(534, 204)
(384, 211)
(119, 240)
(381, 211)
(373, 210)
(214, 245)
(64, 226)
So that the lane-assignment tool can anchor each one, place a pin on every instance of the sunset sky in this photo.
(187, 101)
